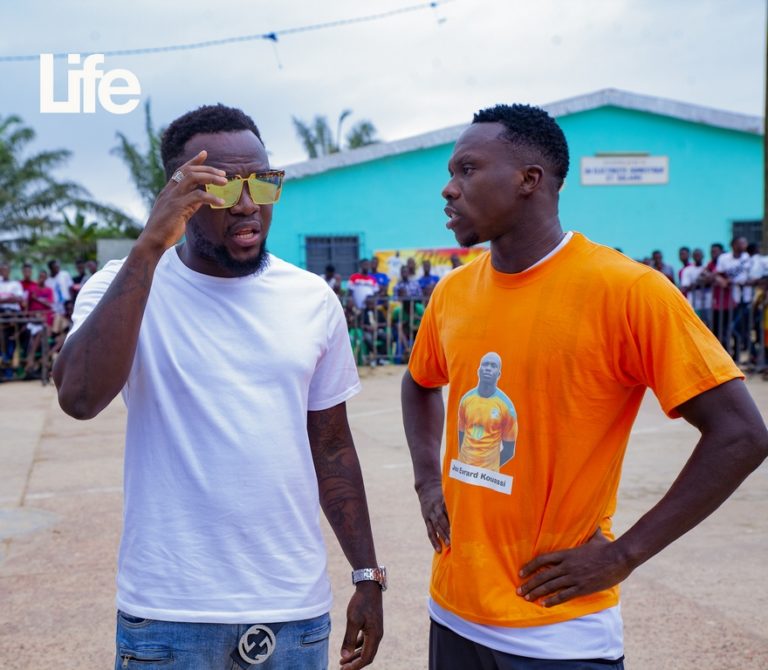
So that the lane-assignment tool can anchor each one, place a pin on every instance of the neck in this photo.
(519, 249)
(486, 389)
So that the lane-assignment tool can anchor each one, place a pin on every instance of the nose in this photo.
(245, 205)
(450, 190)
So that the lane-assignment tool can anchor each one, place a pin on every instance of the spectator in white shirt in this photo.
(11, 300)
(60, 282)
(736, 266)
(11, 291)
(694, 286)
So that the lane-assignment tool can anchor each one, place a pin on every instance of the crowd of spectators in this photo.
(35, 316)
(729, 292)
(384, 310)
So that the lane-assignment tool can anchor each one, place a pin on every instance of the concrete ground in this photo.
(699, 604)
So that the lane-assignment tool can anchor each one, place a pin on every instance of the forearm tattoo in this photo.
(340, 482)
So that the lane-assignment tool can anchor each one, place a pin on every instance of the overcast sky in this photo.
(411, 73)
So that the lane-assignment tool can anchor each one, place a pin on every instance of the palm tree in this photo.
(30, 196)
(32, 199)
(145, 168)
(317, 137)
(361, 135)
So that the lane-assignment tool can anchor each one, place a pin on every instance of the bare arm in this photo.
(733, 443)
(342, 497)
(507, 451)
(95, 361)
(423, 416)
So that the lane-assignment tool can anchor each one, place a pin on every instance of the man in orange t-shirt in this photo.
(487, 419)
(526, 567)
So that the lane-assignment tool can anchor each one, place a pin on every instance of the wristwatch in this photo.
(378, 575)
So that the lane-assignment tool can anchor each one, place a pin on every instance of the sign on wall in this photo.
(624, 170)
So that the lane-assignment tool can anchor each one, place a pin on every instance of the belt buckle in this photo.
(256, 645)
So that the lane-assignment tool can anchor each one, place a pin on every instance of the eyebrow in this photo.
(460, 158)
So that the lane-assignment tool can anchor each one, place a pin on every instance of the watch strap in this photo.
(378, 575)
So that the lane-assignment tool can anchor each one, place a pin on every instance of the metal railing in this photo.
(736, 314)
(383, 330)
(25, 346)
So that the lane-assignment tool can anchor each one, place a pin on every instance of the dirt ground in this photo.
(700, 604)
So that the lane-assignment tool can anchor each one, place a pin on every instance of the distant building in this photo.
(646, 173)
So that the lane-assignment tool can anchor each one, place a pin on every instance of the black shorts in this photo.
(449, 651)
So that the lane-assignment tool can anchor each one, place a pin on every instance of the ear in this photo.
(533, 177)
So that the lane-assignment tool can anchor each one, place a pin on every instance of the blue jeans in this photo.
(148, 644)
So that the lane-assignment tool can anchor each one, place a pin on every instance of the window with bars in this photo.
(752, 230)
(341, 251)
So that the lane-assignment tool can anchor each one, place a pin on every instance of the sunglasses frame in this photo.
(257, 176)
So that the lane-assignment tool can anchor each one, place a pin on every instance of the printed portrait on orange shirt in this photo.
(487, 419)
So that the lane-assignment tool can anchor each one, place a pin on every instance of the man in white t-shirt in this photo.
(699, 294)
(11, 291)
(362, 284)
(60, 282)
(235, 367)
(736, 267)
(11, 300)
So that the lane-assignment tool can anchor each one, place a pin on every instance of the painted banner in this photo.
(443, 260)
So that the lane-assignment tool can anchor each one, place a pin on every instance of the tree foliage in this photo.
(144, 166)
(76, 238)
(362, 134)
(318, 139)
(33, 199)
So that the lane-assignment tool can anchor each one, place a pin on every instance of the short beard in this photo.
(219, 254)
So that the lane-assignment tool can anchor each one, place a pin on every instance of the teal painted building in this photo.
(646, 173)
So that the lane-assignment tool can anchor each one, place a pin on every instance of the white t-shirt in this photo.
(362, 286)
(759, 268)
(700, 297)
(61, 285)
(221, 510)
(10, 289)
(738, 272)
(599, 635)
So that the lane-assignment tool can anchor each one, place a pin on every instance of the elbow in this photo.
(73, 401)
(77, 406)
(761, 446)
(753, 443)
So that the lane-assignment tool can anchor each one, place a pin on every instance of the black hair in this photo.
(688, 249)
(530, 127)
(736, 237)
(656, 251)
(719, 245)
(206, 119)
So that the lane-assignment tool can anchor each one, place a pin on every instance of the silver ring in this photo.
(178, 176)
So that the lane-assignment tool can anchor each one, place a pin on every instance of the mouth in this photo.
(452, 215)
(245, 234)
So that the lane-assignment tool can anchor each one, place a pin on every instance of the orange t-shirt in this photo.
(577, 340)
